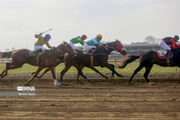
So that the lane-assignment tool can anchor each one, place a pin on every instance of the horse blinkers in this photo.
(120, 48)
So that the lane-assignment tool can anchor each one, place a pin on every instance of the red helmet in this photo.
(84, 37)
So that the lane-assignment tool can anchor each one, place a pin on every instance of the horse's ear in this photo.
(117, 40)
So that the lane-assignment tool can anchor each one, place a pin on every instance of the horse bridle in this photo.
(110, 46)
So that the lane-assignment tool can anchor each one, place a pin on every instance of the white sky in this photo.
(127, 20)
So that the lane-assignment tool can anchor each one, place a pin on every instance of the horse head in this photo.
(116, 46)
(66, 48)
(120, 48)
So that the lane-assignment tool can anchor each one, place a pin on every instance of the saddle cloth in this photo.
(35, 53)
(162, 55)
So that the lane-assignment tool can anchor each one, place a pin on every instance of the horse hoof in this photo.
(106, 78)
(122, 76)
(129, 83)
(150, 83)
(88, 79)
(61, 83)
(55, 82)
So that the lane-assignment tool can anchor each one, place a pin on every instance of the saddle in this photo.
(36, 53)
(162, 55)
(89, 52)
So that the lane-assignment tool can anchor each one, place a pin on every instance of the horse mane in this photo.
(63, 43)
(109, 45)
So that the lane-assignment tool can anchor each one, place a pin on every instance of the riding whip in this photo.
(47, 30)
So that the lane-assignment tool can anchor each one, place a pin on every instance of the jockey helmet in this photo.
(48, 36)
(176, 37)
(84, 37)
(99, 36)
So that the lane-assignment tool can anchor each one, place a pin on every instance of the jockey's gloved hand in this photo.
(40, 34)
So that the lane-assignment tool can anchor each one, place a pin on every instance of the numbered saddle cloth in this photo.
(162, 54)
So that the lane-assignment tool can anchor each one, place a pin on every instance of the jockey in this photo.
(169, 43)
(93, 43)
(77, 40)
(41, 41)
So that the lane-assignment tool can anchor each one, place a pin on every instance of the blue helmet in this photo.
(48, 36)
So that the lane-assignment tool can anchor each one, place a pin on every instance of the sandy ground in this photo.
(102, 99)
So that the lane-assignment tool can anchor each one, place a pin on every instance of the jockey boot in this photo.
(74, 51)
(75, 55)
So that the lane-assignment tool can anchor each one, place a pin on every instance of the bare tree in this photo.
(150, 39)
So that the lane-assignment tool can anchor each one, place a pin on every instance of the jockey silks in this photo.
(171, 42)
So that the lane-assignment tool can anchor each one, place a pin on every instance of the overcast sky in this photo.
(127, 20)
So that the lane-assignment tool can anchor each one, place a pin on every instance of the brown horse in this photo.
(100, 58)
(147, 60)
(49, 59)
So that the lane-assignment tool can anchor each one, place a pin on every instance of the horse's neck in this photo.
(109, 50)
(70, 51)
(104, 50)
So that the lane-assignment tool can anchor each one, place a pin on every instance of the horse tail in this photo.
(5, 54)
(128, 59)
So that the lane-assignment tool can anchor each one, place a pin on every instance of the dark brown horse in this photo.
(49, 59)
(100, 58)
(147, 60)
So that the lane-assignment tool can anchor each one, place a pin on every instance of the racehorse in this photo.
(100, 58)
(49, 59)
(147, 60)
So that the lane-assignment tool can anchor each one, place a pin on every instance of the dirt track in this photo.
(99, 100)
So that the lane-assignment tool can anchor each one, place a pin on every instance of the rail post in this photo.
(176, 73)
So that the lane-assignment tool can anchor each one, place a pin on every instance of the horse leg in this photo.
(148, 69)
(128, 59)
(37, 71)
(111, 67)
(135, 72)
(46, 70)
(63, 72)
(81, 73)
(79, 69)
(93, 68)
(2, 73)
(54, 75)
(10, 66)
